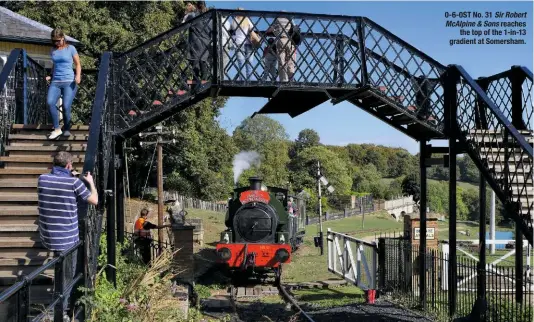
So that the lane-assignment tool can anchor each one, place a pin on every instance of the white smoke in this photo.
(243, 161)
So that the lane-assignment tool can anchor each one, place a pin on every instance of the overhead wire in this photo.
(149, 169)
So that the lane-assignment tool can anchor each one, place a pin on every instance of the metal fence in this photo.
(364, 205)
(155, 249)
(400, 276)
(18, 301)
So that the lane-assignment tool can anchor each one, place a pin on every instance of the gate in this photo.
(353, 259)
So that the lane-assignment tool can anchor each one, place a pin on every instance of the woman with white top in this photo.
(242, 26)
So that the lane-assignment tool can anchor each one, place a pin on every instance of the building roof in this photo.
(17, 28)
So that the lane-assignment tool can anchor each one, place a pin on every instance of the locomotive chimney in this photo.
(255, 183)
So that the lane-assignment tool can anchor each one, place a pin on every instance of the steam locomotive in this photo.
(264, 227)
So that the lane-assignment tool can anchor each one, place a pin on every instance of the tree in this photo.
(401, 162)
(254, 133)
(274, 163)
(411, 185)
(374, 156)
(364, 178)
(200, 163)
(307, 138)
(333, 168)
(468, 170)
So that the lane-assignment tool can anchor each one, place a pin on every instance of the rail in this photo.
(353, 259)
(294, 303)
(8, 88)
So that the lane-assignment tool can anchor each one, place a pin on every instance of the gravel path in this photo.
(380, 311)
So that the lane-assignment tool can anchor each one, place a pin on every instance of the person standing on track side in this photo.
(142, 236)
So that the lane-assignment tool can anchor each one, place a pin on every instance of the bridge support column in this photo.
(423, 152)
(450, 79)
(119, 191)
(481, 276)
(110, 220)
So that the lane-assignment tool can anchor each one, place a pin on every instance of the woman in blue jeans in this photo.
(64, 82)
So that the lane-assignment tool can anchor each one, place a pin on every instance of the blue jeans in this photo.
(68, 91)
(245, 57)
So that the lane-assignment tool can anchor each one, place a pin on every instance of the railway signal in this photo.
(321, 180)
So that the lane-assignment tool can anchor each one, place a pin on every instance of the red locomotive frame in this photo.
(264, 255)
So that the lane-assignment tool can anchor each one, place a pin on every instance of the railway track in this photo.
(285, 294)
(241, 293)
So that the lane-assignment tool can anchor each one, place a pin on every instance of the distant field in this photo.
(462, 184)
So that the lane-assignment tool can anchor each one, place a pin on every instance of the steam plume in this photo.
(244, 160)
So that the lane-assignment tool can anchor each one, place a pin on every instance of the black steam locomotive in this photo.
(264, 227)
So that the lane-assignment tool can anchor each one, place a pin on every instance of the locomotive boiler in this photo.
(264, 227)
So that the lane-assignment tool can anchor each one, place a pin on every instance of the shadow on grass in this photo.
(256, 311)
(377, 312)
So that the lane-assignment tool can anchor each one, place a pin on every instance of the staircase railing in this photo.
(491, 140)
(97, 162)
(511, 91)
(405, 73)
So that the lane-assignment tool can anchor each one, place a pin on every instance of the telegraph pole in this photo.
(159, 146)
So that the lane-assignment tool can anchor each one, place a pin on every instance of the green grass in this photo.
(330, 297)
(372, 223)
(464, 185)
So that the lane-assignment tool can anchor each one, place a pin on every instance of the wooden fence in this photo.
(188, 202)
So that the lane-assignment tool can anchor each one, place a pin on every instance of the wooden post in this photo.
(160, 192)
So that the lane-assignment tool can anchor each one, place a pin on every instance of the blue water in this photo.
(501, 235)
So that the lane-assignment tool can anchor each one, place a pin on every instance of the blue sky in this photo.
(422, 24)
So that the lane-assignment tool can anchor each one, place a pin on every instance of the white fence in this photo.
(353, 259)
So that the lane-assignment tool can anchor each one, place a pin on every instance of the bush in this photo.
(142, 293)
